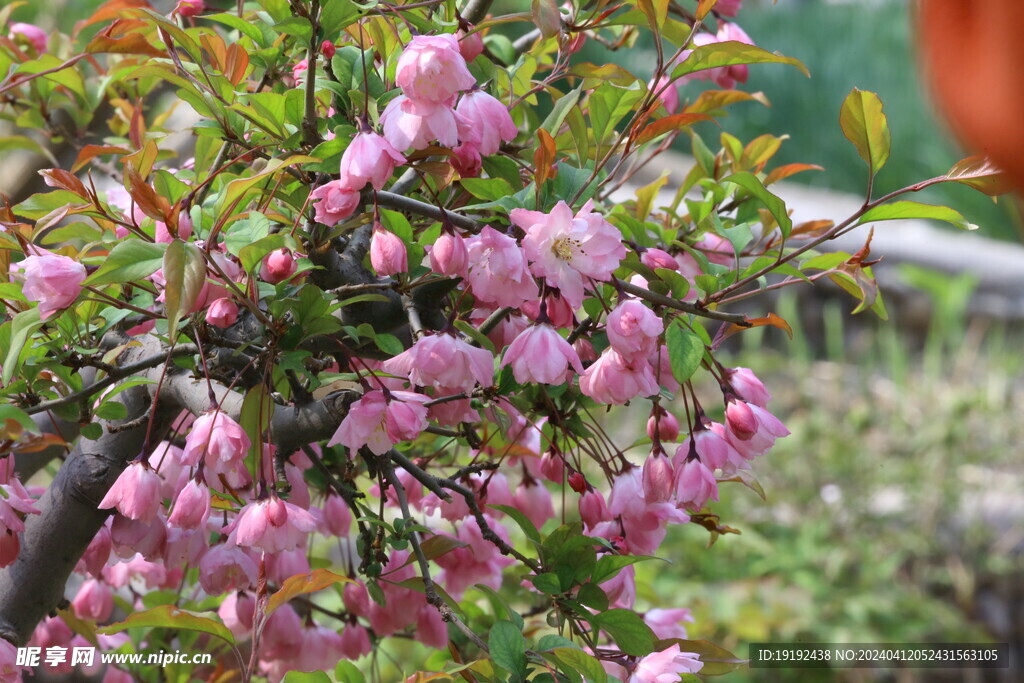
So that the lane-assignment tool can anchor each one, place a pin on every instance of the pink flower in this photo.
(448, 255)
(470, 44)
(328, 50)
(564, 249)
(666, 622)
(377, 423)
(299, 70)
(224, 568)
(738, 72)
(31, 33)
(633, 329)
(760, 439)
(740, 420)
(541, 355)
(387, 252)
(431, 69)
(664, 426)
(498, 270)
(710, 446)
(658, 474)
(443, 360)
(479, 561)
(271, 525)
(336, 202)
(431, 629)
(694, 484)
(728, 7)
(15, 502)
(614, 379)
(355, 641)
(593, 509)
(223, 312)
(337, 517)
(10, 670)
(657, 258)
(667, 92)
(369, 159)
(415, 123)
(534, 501)
(189, 8)
(163, 235)
(94, 601)
(466, 160)
(490, 118)
(321, 648)
(192, 506)
(278, 266)
(560, 312)
(136, 493)
(52, 280)
(218, 440)
(236, 611)
(717, 249)
(643, 521)
(665, 666)
(747, 386)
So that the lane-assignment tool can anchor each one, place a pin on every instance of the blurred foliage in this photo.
(887, 507)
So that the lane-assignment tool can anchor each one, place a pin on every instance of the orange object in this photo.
(973, 54)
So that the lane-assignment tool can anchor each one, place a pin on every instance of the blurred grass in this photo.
(886, 508)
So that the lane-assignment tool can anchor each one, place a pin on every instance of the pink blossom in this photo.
(282, 635)
(369, 159)
(321, 648)
(184, 230)
(479, 561)
(498, 270)
(740, 420)
(471, 44)
(665, 666)
(729, 8)
(541, 355)
(559, 311)
(593, 508)
(97, 553)
(490, 118)
(448, 255)
(431, 69)
(747, 386)
(328, 50)
(552, 466)
(710, 446)
(299, 70)
(658, 258)
(336, 202)
(355, 641)
(237, 611)
(415, 123)
(378, 423)
(443, 360)
(431, 629)
(10, 670)
(695, 483)
(356, 599)
(152, 573)
(762, 438)
(284, 565)
(136, 493)
(222, 312)
(664, 426)
(466, 160)
(613, 379)
(534, 501)
(729, 32)
(564, 249)
(278, 266)
(31, 33)
(667, 92)
(94, 601)
(633, 329)
(666, 623)
(185, 547)
(129, 536)
(717, 249)
(271, 525)
(658, 474)
(387, 252)
(15, 502)
(337, 516)
(192, 506)
(642, 521)
(226, 568)
(621, 588)
(190, 8)
(52, 280)
(218, 440)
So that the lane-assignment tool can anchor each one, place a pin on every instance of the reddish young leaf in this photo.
(668, 124)
(781, 172)
(544, 157)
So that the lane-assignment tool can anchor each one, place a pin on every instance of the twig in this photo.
(402, 203)
(414, 317)
(661, 300)
(493, 319)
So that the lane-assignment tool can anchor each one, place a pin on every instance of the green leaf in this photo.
(129, 260)
(508, 648)
(750, 182)
(388, 343)
(337, 14)
(300, 584)
(347, 672)
(257, 410)
(168, 616)
(22, 326)
(306, 677)
(609, 104)
(730, 53)
(609, 566)
(547, 583)
(628, 630)
(243, 26)
(685, 351)
(522, 520)
(561, 109)
(246, 231)
(481, 339)
(585, 664)
(864, 125)
(9, 412)
(488, 189)
(185, 275)
(907, 210)
(678, 285)
(253, 254)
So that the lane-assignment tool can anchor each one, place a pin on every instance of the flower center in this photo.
(564, 248)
